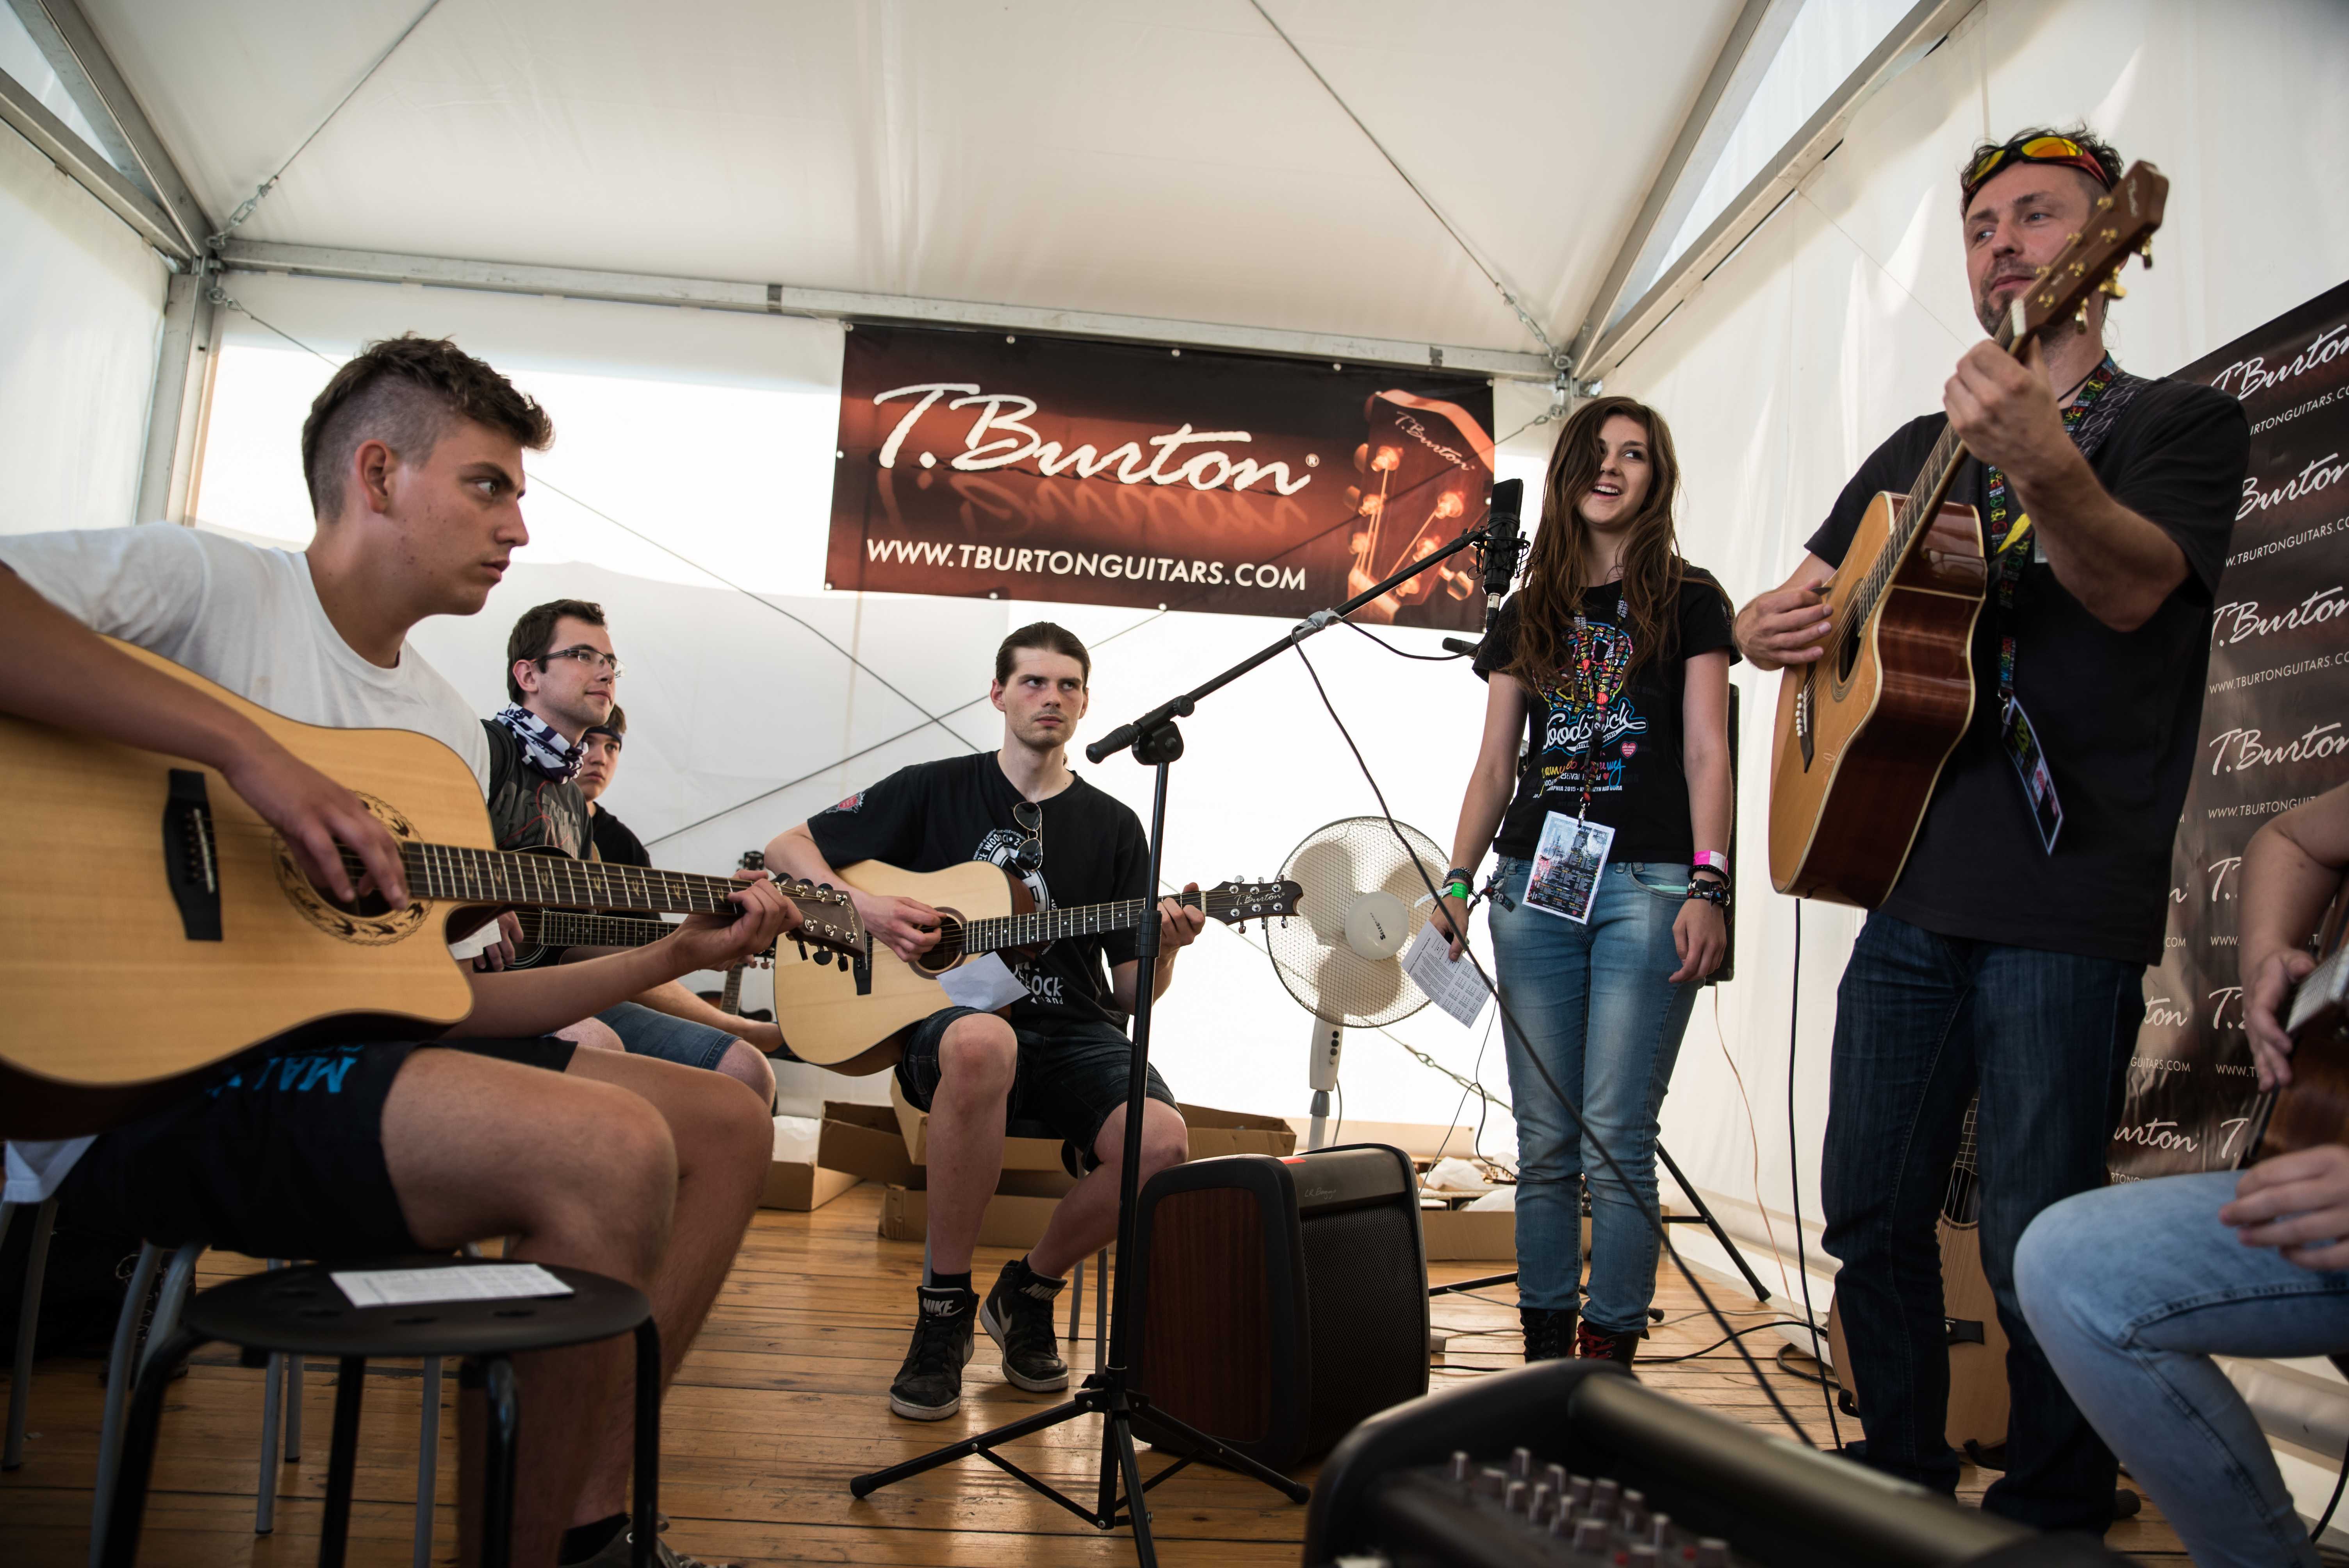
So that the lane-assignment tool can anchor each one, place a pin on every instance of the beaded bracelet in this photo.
(1709, 892)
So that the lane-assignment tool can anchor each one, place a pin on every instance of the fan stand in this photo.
(1329, 1043)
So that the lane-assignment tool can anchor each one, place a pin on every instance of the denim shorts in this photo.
(647, 1033)
(1070, 1077)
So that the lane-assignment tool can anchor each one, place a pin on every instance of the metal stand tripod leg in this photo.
(1704, 1215)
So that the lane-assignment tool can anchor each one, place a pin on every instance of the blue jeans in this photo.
(2130, 1290)
(1598, 1010)
(647, 1033)
(1921, 1022)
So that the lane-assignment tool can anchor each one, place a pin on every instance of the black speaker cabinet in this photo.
(1280, 1301)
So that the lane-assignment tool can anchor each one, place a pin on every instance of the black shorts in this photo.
(281, 1158)
(1069, 1079)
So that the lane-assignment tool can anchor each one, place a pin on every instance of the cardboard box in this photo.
(864, 1141)
(1013, 1220)
(796, 1184)
(1463, 1235)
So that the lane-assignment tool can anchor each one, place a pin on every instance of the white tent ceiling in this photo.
(1159, 157)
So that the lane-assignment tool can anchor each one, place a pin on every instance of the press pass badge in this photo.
(2031, 766)
(1567, 864)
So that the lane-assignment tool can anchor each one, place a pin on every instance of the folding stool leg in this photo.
(293, 1409)
(265, 1497)
(1076, 1299)
(28, 1317)
(117, 1394)
(1101, 1309)
(427, 1462)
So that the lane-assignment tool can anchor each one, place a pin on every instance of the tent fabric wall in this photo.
(78, 343)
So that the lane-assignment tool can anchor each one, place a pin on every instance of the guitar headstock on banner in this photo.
(1238, 902)
(1421, 470)
(2121, 222)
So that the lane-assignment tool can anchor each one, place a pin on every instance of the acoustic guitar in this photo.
(832, 1023)
(2314, 1107)
(1864, 730)
(117, 856)
(1978, 1392)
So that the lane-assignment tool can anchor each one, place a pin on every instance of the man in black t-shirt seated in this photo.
(1058, 1055)
(2009, 956)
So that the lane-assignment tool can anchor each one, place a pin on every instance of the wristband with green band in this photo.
(1458, 889)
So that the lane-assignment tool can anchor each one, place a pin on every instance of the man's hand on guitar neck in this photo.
(1787, 625)
(762, 913)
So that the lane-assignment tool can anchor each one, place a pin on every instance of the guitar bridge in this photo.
(191, 857)
(1803, 702)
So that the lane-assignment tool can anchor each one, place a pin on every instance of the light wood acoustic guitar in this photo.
(2314, 1107)
(1978, 1393)
(829, 1022)
(119, 860)
(1864, 730)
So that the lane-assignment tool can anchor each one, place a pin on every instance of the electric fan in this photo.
(1343, 959)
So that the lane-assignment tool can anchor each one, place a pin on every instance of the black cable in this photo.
(1794, 1168)
(1429, 658)
(2326, 1517)
(1738, 1334)
(1820, 1377)
(1655, 1219)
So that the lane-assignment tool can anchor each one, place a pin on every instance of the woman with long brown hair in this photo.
(1610, 663)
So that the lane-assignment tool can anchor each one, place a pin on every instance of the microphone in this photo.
(1502, 544)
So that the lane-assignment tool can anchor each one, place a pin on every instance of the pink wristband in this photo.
(1710, 860)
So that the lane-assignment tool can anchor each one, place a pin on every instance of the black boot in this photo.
(1592, 1343)
(1549, 1335)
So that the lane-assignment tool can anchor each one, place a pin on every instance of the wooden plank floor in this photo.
(782, 1399)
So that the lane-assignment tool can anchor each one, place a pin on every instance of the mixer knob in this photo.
(1521, 1463)
(1492, 1481)
(1460, 1465)
(1514, 1500)
(1643, 1552)
(1590, 1535)
(1635, 1511)
(1578, 1492)
(1556, 1476)
(1659, 1530)
(1537, 1506)
(1712, 1551)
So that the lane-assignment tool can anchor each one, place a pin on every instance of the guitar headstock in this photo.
(2123, 221)
(827, 918)
(1238, 902)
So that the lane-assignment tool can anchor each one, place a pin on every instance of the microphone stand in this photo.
(1108, 1392)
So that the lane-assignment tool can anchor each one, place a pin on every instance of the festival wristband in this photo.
(1710, 860)
(1709, 892)
(1456, 888)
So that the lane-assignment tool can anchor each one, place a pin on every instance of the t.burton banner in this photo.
(2275, 730)
(976, 464)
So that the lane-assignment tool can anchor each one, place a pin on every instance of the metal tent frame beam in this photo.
(1605, 345)
(89, 168)
(782, 299)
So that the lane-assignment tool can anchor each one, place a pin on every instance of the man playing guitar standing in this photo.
(1058, 1053)
(2009, 953)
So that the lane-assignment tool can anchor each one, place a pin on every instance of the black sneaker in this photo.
(1018, 1318)
(1549, 1335)
(929, 1385)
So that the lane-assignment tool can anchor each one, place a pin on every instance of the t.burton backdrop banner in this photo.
(976, 464)
(2273, 730)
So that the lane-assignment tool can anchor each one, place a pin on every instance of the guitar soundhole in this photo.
(947, 953)
(369, 922)
(1846, 654)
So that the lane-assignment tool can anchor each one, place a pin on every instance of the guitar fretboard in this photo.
(561, 928)
(2327, 983)
(1039, 926)
(497, 876)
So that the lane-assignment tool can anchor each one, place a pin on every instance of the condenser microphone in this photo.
(1502, 545)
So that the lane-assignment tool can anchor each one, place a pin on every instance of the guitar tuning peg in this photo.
(2112, 286)
(2080, 317)
(2144, 252)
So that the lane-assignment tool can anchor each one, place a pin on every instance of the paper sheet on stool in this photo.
(466, 1281)
(1454, 987)
(985, 983)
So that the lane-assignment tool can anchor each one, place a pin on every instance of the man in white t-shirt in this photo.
(632, 1167)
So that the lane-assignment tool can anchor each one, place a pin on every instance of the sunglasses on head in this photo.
(2060, 149)
(1030, 856)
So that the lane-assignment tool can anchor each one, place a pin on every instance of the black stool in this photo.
(302, 1312)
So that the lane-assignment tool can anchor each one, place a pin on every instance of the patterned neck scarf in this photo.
(542, 745)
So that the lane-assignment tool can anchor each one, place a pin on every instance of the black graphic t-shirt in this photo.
(1637, 785)
(933, 815)
(527, 809)
(2116, 713)
(613, 840)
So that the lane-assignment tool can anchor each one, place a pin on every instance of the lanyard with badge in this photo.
(1573, 850)
(2088, 419)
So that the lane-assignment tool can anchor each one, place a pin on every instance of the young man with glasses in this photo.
(564, 678)
(2008, 956)
(1057, 1055)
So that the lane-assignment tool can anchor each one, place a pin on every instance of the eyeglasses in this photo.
(2036, 150)
(1030, 856)
(594, 658)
